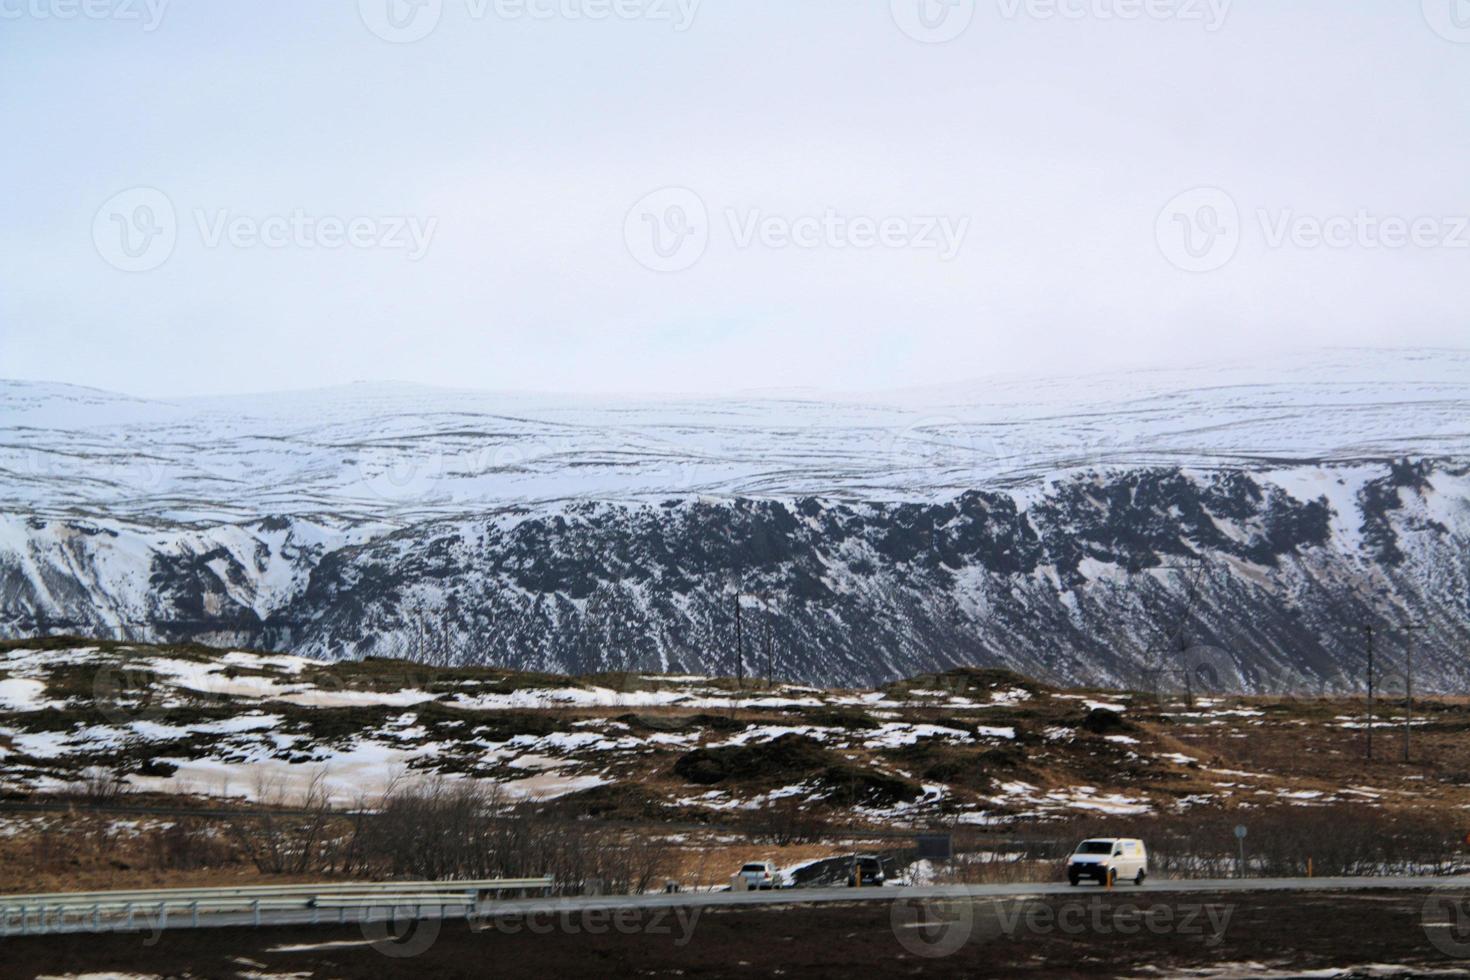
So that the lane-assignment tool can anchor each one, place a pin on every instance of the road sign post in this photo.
(1240, 832)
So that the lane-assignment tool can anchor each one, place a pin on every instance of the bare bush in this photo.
(187, 845)
(102, 786)
(786, 825)
(441, 829)
(990, 868)
(287, 835)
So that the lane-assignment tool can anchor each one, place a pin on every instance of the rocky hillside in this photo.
(1241, 525)
(1097, 579)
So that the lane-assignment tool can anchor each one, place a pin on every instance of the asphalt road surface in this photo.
(1361, 927)
(797, 897)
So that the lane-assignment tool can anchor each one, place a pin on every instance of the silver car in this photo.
(762, 875)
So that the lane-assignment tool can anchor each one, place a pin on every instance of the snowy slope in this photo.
(1022, 521)
(395, 453)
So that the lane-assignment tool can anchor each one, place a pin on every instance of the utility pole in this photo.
(1188, 673)
(739, 649)
(1369, 631)
(1192, 572)
(1409, 630)
(770, 652)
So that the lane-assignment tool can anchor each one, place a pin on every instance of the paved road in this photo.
(802, 896)
(816, 896)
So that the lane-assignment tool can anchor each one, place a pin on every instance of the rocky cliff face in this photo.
(1260, 578)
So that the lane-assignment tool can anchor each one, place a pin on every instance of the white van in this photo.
(1109, 860)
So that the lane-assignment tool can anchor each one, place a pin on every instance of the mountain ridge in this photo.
(894, 538)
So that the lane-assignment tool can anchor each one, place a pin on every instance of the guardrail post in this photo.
(25, 929)
(194, 914)
(97, 917)
(162, 916)
(341, 915)
(129, 910)
(255, 912)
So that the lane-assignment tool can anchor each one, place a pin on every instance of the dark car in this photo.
(866, 871)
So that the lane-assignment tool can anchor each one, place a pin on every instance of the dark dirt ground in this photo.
(1083, 935)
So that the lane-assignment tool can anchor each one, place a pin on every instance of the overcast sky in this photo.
(729, 194)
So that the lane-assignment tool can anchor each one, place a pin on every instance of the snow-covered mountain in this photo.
(1052, 525)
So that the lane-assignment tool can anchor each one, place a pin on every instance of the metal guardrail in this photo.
(52, 912)
(323, 888)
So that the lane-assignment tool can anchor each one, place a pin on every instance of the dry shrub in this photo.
(992, 869)
(784, 825)
(102, 786)
(289, 835)
(443, 830)
(187, 844)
